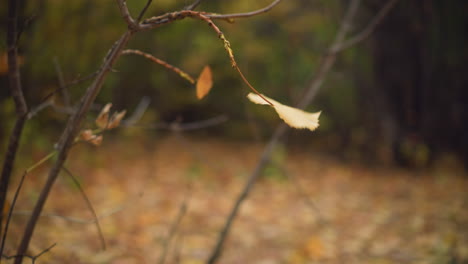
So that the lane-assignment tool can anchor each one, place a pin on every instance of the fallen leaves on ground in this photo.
(365, 215)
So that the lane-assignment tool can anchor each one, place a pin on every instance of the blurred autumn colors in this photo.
(175, 142)
(397, 97)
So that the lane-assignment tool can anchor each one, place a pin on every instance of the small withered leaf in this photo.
(116, 119)
(87, 135)
(294, 117)
(204, 82)
(103, 118)
(97, 140)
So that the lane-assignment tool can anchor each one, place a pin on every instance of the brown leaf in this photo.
(97, 140)
(204, 82)
(292, 116)
(103, 118)
(87, 135)
(116, 118)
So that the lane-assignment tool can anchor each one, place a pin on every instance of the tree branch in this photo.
(61, 82)
(246, 14)
(89, 205)
(168, 66)
(16, 90)
(279, 132)
(158, 21)
(193, 5)
(369, 28)
(143, 11)
(132, 25)
(68, 137)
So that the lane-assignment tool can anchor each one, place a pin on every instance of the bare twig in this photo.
(369, 28)
(89, 205)
(33, 258)
(175, 126)
(132, 25)
(175, 226)
(246, 14)
(75, 219)
(330, 57)
(68, 136)
(279, 132)
(34, 111)
(143, 11)
(193, 5)
(72, 83)
(16, 90)
(138, 113)
(168, 66)
(66, 141)
(158, 21)
(10, 212)
(61, 81)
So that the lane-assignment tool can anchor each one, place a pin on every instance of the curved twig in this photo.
(168, 66)
(246, 14)
(143, 11)
(279, 132)
(89, 205)
(193, 5)
(366, 32)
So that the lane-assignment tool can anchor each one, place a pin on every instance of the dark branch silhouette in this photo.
(16, 90)
(312, 89)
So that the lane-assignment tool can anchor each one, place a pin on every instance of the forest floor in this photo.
(307, 209)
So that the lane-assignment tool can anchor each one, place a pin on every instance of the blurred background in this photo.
(382, 180)
(399, 97)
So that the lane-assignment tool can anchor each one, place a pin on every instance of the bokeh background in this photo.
(399, 96)
(385, 169)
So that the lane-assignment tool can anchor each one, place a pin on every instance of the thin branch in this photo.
(132, 25)
(61, 81)
(33, 258)
(264, 159)
(143, 11)
(168, 66)
(193, 5)
(279, 132)
(138, 113)
(175, 126)
(158, 21)
(68, 137)
(16, 90)
(34, 111)
(370, 28)
(10, 211)
(75, 219)
(72, 83)
(330, 57)
(175, 227)
(246, 14)
(89, 205)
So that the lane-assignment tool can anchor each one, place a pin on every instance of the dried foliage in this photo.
(204, 82)
(294, 117)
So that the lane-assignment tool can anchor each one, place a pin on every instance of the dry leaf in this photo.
(103, 118)
(96, 141)
(292, 116)
(116, 118)
(87, 135)
(204, 82)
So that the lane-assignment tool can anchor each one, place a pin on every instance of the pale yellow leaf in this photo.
(103, 117)
(116, 119)
(87, 135)
(204, 82)
(96, 141)
(292, 116)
